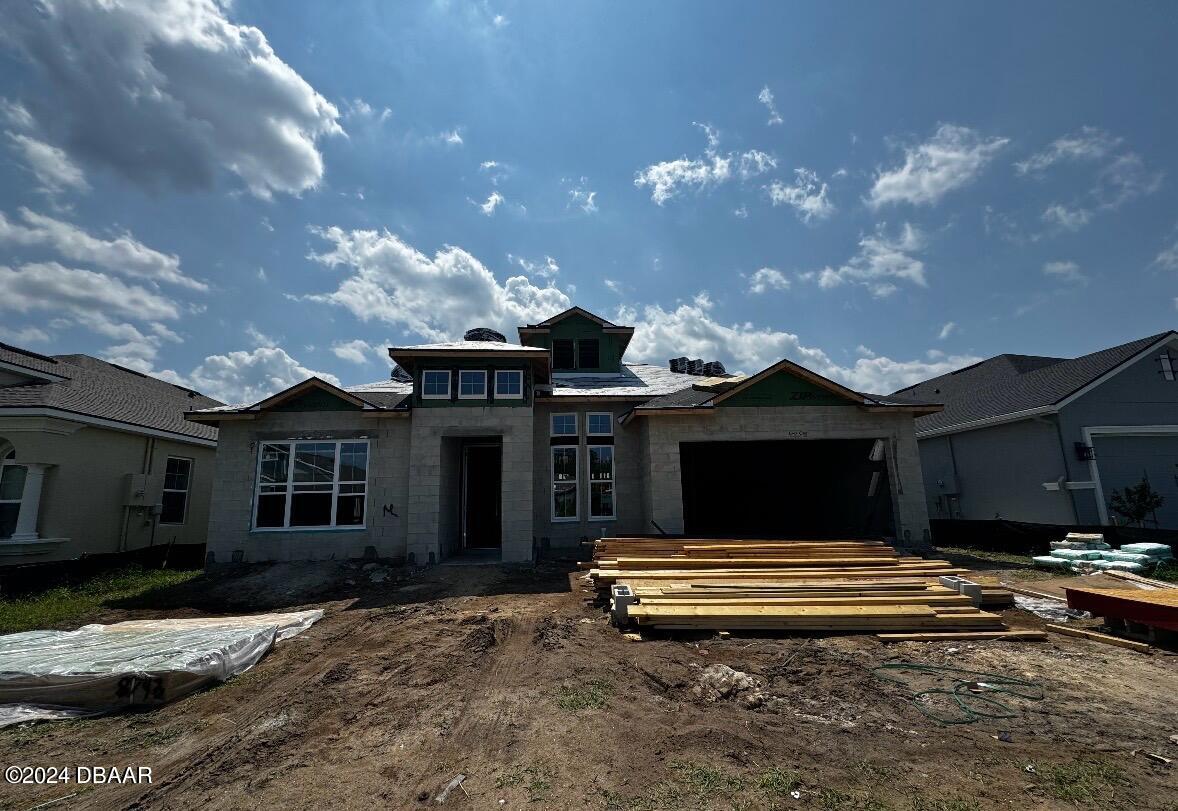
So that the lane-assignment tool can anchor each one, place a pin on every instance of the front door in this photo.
(481, 479)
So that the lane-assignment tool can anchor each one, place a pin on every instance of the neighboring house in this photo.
(1047, 440)
(97, 458)
(486, 445)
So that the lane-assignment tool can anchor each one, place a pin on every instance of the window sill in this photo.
(601, 518)
(289, 530)
(572, 520)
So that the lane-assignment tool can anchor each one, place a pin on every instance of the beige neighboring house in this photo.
(96, 458)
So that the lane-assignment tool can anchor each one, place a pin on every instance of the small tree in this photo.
(1136, 503)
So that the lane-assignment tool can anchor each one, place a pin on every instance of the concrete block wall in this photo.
(236, 471)
(629, 479)
(664, 433)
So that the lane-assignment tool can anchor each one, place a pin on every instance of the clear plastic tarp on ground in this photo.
(104, 668)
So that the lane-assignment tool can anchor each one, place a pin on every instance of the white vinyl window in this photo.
(601, 481)
(1167, 365)
(564, 424)
(472, 385)
(435, 384)
(599, 424)
(509, 384)
(564, 482)
(177, 480)
(12, 488)
(311, 485)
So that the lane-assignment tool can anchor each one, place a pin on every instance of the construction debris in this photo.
(775, 585)
(1068, 630)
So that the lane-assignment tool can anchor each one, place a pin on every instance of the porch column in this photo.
(30, 502)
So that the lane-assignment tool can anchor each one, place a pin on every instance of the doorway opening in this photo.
(482, 485)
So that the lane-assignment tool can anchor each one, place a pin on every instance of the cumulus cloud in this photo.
(450, 137)
(51, 166)
(545, 268)
(581, 196)
(24, 335)
(766, 98)
(691, 329)
(767, 279)
(947, 329)
(1065, 271)
(807, 196)
(356, 351)
(494, 200)
(170, 92)
(1090, 143)
(437, 297)
(52, 287)
(882, 260)
(951, 159)
(246, 376)
(668, 178)
(124, 254)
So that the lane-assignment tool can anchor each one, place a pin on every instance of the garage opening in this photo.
(821, 488)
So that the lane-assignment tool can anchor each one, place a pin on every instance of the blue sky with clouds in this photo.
(235, 196)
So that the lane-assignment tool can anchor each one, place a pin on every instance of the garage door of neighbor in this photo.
(785, 489)
(1124, 460)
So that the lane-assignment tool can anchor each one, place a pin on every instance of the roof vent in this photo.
(400, 374)
(484, 334)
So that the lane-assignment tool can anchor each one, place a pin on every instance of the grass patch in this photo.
(590, 695)
(1167, 571)
(66, 604)
(535, 780)
(708, 782)
(779, 782)
(1088, 783)
(937, 804)
(1007, 558)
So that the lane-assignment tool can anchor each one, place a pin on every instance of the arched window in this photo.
(12, 488)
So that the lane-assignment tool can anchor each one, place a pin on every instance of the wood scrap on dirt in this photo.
(858, 586)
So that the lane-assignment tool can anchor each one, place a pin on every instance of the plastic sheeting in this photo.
(99, 669)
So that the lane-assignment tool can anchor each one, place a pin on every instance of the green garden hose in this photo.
(972, 691)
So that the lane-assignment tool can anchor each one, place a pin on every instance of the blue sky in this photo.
(235, 196)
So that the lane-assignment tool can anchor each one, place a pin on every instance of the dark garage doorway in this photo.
(482, 481)
(821, 488)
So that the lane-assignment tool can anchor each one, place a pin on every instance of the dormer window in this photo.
(563, 354)
(588, 353)
(472, 385)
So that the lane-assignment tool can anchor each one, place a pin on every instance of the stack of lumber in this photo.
(842, 585)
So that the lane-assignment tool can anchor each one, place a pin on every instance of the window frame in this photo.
(187, 491)
(6, 461)
(573, 349)
(609, 418)
(576, 432)
(576, 483)
(596, 342)
(611, 481)
(482, 373)
(519, 373)
(449, 384)
(289, 491)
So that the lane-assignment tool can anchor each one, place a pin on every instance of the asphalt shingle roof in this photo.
(637, 380)
(1008, 384)
(96, 388)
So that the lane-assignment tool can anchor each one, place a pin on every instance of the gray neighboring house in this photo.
(96, 458)
(1047, 440)
(506, 449)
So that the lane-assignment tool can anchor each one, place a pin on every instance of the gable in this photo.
(1139, 386)
(314, 399)
(783, 388)
(576, 327)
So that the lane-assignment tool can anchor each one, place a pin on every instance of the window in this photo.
(601, 481)
(564, 483)
(472, 385)
(1167, 365)
(509, 385)
(563, 356)
(177, 478)
(435, 384)
(588, 353)
(564, 424)
(12, 488)
(311, 484)
(599, 424)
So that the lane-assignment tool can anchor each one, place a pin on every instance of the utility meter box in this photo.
(143, 489)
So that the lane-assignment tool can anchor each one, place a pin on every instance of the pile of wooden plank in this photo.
(763, 585)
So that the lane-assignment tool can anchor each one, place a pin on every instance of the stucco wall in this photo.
(233, 488)
(84, 490)
(801, 423)
(628, 477)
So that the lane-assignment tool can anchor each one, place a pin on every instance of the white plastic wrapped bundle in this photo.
(1119, 565)
(1127, 557)
(1050, 562)
(1076, 554)
(103, 668)
(1154, 550)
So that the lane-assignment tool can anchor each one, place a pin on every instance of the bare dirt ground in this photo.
(514, 679)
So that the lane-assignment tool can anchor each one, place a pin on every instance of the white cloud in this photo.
(450, 137)
(171, 91)
(246, 376)
(495, 171)
(741, 213)
(123, 254)
(766, 98)
(258, 337)
(545, 268)
(807, 196)
(1167, 258)
(499, 21)
(1071, 219)
(359, 109)
(51, 166)
(767, 279)
(436, 297)
(668, 178)
(1065, 271)
(879, 264)
(582, 197)
(494, 200)
(613, 285)
(16, 115)
(1090, 143)
(52, 287)
(951, 159)
(24, 335)
(691, 329)
(1124, 179)
(947, 329)
(356, 351)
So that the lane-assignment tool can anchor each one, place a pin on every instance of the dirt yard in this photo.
(515, 679)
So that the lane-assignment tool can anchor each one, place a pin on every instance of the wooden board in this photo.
(1098, 637)
(1034, 636)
